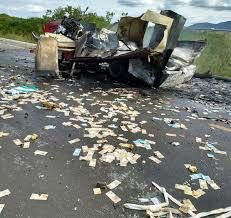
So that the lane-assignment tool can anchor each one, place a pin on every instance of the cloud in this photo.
(213, 4)
(194, 10)
(169, 4)
(130, 3)
(137, 3)
(30, 7)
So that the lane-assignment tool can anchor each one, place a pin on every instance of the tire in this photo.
(118, 69)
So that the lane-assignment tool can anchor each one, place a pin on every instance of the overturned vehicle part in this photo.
(142, 46)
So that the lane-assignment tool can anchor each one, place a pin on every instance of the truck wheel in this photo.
(118, 69)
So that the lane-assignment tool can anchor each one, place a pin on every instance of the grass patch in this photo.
(217, 55)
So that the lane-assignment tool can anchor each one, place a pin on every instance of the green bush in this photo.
(21, 29)
(217, 55)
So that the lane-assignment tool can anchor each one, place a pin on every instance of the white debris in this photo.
(1, 207)
(42, 197)
(113, 184)
(113, 197)
(42, 153)
(74, 141)
(154, 159)
(17, 142)
(49, 127)
(5, 193)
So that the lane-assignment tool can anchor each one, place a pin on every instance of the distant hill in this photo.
(220, 26)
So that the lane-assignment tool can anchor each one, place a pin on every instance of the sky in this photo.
(195, 11)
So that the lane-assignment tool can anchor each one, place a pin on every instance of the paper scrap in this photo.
(97, 191)
(92, 163)
(1, 207)
(220, 127)
(156, 160)
(203, 184)
(210, 155)
(114, 184)
(213, 185)
(42, 197)
(51, 117)
(4, 193)
(158, 154)
(3, 134)
(186, 206)
(74, 141)
(127, 145)
(171, 134)
(198, 140)
(26, 145)
(17, 142)
(124, 128)
(176, 143)
(143, 200)
(122, 139)
(49, 127)
(197, 193)
(7, 116)
(42, 153)
(77, 152)
(34, 136)
(113, 197)
(192, 169)
(27, 138)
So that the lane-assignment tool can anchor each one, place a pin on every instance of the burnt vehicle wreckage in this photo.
(146, 47)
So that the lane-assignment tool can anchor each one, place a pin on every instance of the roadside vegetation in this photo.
(215, 58)
(21, 29)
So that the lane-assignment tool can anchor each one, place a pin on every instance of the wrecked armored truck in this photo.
(141, 46)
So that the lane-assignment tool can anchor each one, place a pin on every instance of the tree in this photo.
(78, 13)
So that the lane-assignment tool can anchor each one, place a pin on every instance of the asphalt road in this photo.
(69, 182)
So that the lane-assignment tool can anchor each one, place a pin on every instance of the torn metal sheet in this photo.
(141, 46)
(181, 67)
